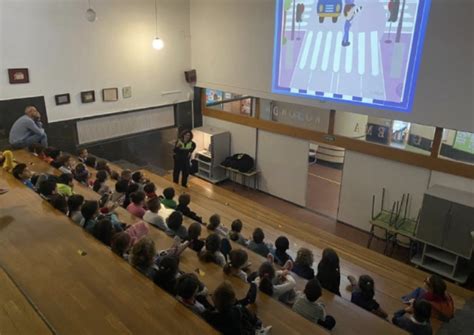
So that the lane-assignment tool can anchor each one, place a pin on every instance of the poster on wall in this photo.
(360, 52)
(213, 96)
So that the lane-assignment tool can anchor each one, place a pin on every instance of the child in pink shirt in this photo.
(137, 204)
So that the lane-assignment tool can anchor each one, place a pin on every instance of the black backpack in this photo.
(242, 162)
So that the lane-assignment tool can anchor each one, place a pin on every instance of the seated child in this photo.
(419, 322)
(187, 289)
(47, 188)
(281, 246)
(118, 196)
(329, 274)
(167, 274)
(235, 233)
(303, 264)
(114, 175)
(22, 173)
(103, 166)
(308, 305)
(104, 231)
(139, 179)
(435, 293)
(82, 155)
(183, 207)
(64, 163)
(137, 205)
(75, 203)
(194, 232)
(257, 244)
(65, 185)
(121, 245)
(278, 284)
(59, 202)
(81, 174)
(212, 252)
(132, 188)
(216, 227)
(150, 191)
(168, 201)
(99, 185)
(91, 161)
(237, 262)
(51, 154)
(231, 316)
(126, 175)
(142, 256)
(90, 212)
(175, 226)
(151, 215)
(363, 295)
(136, 231)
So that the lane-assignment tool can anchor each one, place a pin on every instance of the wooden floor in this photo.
(269, 310)
(17, 315)
(393, 279)
(98, 293)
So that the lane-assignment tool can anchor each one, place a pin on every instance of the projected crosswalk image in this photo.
(364, 52)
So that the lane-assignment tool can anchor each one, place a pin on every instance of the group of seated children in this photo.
(423, 303)
(139, 197)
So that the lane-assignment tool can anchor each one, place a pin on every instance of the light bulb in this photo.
(158, 43)
(91, 16)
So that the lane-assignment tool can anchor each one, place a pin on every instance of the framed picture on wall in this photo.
(127, 92)
(110, 94)
(18, 76)
(87, 97)
(62, 99)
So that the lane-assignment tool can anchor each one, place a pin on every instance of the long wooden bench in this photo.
(389, 289)
(348, 315)
(97, 293)
(269, 310)
(17, 315)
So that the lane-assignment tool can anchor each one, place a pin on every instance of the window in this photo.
(394, 133)
(458, 146)
(230, 102)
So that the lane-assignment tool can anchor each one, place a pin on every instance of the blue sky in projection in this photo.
(362, 52)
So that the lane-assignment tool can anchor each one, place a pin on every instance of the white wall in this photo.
(232, 46)
(67, 54)
(283, 162)
(364, 176)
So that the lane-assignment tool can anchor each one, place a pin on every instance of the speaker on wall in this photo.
(191, 76)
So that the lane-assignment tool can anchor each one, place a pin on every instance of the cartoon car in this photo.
(329, 8)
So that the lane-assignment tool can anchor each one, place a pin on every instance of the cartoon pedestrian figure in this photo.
(350, 10)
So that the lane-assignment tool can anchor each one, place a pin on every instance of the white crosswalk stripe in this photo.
(327, 51)
(361, 57)
(374, 48)
(324, 50)
(337, 52)
(317, 48)
(304, 56)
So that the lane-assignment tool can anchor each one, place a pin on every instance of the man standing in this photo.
(28, 129)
